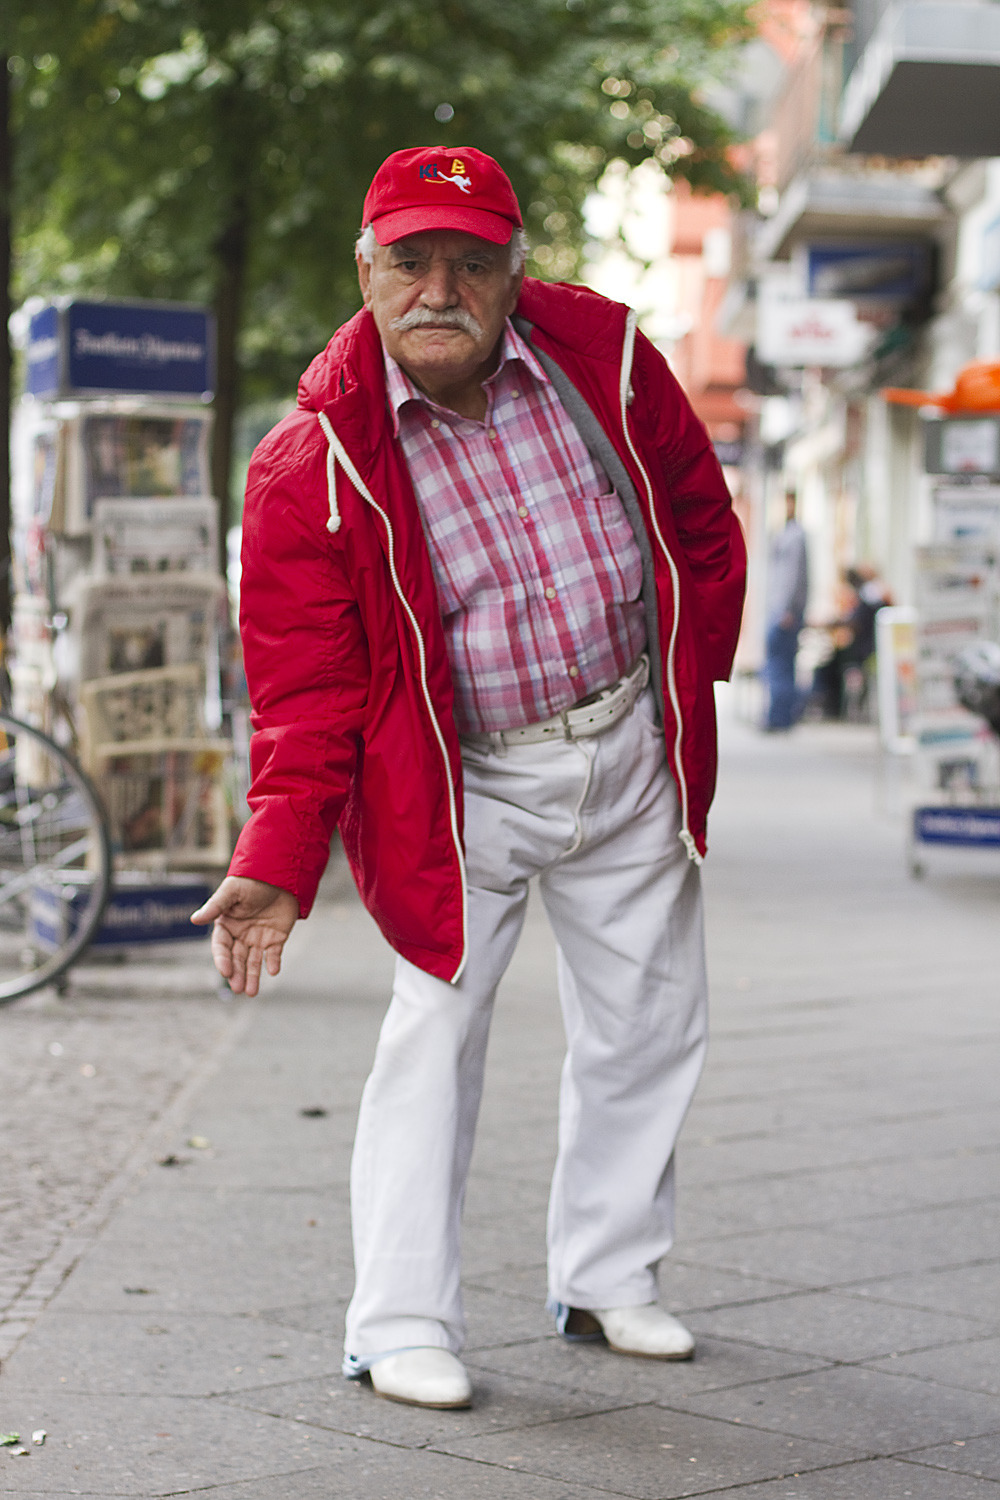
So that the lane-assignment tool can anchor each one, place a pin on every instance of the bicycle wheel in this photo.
(55, 860)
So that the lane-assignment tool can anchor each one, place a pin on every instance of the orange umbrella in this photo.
(977, 388)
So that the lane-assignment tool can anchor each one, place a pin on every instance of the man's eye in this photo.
(409, 266)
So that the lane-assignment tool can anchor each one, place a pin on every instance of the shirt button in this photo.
(522, 511)
(574, 671)
(515, 394)
(550, 593)
(435, 422)
(493, 433)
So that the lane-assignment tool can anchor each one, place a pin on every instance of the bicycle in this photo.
(55, 860)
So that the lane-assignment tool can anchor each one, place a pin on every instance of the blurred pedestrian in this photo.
(490, 563)
(852, 642)
(787, 592)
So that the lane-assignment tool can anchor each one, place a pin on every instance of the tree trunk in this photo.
(231, 250)
(6, 185)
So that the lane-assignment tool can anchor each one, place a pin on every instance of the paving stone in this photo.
(718, 1365)
(979, 1456)
(834, 1326)
(838, 1194)
(872, 1412)
(929, 1239)
(107, 1353)
(974, 1365)
(872, 1479)
(649, 1453)
(376, 1471)
(208, 1253)
(155, 1445)
(502, 1402)
(973, 1289)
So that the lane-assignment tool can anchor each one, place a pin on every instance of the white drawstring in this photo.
(332, 454)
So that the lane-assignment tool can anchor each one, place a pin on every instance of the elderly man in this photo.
(490, 571)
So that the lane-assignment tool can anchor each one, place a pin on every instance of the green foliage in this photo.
(145, 127)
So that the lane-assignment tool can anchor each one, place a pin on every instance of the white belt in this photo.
(596, 717)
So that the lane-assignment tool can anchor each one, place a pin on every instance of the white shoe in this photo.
(646, 1330)
(422, 1377)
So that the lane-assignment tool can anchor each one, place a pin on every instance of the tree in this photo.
(220, 149)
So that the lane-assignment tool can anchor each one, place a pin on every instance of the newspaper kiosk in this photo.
(119, 603)
(957, 608)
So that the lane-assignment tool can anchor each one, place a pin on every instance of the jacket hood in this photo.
(572, 315)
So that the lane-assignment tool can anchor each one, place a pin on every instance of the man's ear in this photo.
(365, 280)
(517, 282)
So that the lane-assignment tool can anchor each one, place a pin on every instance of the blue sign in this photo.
(44, 348)
(121, 348)
(969, 827)
(896, 273)
(154, 913)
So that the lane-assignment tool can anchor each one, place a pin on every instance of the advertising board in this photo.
(121, 348)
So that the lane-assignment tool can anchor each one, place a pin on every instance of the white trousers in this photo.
(597, 821)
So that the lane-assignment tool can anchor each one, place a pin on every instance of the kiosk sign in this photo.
(121, 348)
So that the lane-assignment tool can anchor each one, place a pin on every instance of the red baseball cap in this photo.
(429, 187)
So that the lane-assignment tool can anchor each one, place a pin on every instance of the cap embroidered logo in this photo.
(429, 173)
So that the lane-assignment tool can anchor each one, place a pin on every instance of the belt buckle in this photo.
(567, 727)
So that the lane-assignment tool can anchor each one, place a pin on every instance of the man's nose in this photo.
(440, 286)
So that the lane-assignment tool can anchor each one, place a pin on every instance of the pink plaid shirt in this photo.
(537, 571)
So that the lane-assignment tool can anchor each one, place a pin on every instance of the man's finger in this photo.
(254, 958)
(272, 956)
(207, 913)
(222, 950)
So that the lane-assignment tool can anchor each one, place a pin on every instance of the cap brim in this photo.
(403, 221)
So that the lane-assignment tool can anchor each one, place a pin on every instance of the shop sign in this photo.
(882, 274)
(963, 445)
(811, 331)
(127, 348)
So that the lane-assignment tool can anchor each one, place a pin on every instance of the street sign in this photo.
(121, 348)
(806, 331)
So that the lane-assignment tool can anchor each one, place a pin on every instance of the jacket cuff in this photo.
(277, 846)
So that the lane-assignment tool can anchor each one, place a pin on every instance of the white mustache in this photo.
(445, 317)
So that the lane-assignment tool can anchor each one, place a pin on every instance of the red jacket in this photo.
(342, 634)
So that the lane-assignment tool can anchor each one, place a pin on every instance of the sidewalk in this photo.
(839, 1239)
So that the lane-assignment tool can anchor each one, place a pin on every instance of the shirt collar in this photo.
(401, 389)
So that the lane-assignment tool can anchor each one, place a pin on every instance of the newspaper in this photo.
(160, 709)
(124, 454)
(137, 624)
(167, 807)
(155, 536)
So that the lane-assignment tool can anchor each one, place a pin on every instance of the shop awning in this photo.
(928, 83)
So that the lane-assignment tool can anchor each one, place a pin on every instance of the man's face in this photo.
(439, 301)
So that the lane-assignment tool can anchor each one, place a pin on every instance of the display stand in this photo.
(956, 758)
(120, 608)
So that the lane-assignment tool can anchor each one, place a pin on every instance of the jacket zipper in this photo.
(628, 348)
(338, 454)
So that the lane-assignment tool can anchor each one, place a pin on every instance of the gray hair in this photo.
(364, 247)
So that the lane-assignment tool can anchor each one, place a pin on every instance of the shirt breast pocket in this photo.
(612, 546)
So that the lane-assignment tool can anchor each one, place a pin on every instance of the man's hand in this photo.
(252, 921)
